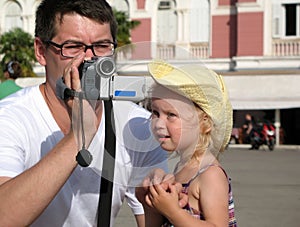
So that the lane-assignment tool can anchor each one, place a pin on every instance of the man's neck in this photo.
(57, 108)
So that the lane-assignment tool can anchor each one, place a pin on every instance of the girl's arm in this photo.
(152, 217)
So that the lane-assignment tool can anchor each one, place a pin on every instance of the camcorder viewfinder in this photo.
(99, 80)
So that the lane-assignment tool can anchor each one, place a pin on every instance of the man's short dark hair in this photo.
(50, 10)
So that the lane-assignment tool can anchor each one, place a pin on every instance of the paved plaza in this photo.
(266, 187)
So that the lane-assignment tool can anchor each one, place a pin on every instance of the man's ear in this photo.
(39, 50)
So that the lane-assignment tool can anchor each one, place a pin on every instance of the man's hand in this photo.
(85, 114)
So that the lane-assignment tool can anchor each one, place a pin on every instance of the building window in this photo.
(13, 17)
(164, 5)
(199, 21)
(286, 19)
(291, 22)
(166, 22)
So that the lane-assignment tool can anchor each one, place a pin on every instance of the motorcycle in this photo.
(264, 135)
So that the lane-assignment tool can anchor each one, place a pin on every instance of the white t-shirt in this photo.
(29, 131)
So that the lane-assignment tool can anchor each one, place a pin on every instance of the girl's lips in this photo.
(162, 137)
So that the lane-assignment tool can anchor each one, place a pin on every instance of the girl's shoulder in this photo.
(210, 177)
(210, 170)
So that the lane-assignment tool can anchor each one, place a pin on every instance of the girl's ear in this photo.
(39, 50)
(205, 122)
(205, 117)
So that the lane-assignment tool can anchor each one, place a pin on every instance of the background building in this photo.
(255, 44)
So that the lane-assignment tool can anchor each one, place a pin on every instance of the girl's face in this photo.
(174, 122)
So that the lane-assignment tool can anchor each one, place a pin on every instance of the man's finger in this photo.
(157, 176)
(169, 178)
(146, 182)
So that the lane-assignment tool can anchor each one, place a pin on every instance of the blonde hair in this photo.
(205, 127)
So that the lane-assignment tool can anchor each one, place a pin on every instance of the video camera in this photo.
(99, 80)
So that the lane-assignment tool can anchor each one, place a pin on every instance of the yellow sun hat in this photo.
(205, 88)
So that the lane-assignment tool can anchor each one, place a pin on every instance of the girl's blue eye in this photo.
(171, 115)
(155, 114)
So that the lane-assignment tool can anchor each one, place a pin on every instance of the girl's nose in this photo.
(158, 123)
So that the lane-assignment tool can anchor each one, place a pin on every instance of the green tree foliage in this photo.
(18, 45)
(125, 25)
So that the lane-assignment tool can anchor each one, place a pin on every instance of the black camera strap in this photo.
(108, 168)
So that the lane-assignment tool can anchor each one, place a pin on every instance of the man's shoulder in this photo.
(22, 97)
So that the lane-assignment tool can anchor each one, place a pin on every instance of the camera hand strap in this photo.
(108, 168)
(63, 92)
(84, 158)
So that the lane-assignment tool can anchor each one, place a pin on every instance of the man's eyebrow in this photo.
(104, 41)
(98, 41)
(72, 41)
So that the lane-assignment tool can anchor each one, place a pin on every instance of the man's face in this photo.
(77, 29)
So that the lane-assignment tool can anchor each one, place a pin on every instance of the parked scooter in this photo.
(264, 135)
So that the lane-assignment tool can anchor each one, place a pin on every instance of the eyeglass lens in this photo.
(98, 49)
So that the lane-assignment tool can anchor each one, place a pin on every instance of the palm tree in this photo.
(124, 27)
(18, 45)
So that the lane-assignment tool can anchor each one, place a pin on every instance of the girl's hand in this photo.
(163, 200)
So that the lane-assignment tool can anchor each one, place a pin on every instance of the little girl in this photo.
(192, 117)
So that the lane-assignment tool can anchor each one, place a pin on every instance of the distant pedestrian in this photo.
(11, 72)
(248, 128)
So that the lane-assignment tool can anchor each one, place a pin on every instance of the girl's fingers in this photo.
(148, 201)
(159, 189)
(152, 190)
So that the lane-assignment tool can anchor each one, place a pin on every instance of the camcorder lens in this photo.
(105, 66)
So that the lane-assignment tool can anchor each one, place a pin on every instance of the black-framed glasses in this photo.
(71, 49)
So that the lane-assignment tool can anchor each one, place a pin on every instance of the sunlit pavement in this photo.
(266, 186)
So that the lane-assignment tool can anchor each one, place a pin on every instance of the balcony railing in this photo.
(199, 50)
(194, 50)
(284, 47)
(148, 50)
(166, 51)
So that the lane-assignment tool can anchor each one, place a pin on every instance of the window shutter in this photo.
(277, 20)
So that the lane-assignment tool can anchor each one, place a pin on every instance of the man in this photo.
(248, 128)
(41, 183)
(11, 72)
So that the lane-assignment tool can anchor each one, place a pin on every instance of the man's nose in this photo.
(89, 52)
